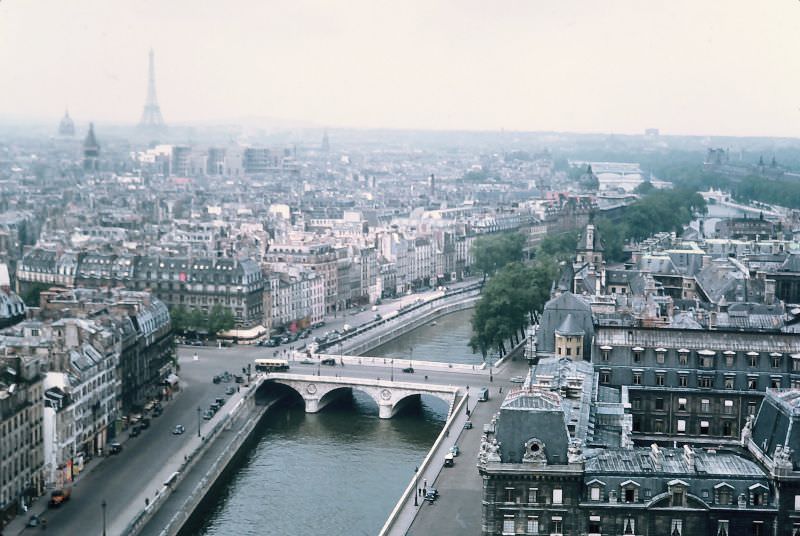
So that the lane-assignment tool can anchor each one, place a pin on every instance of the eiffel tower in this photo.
(151, 116)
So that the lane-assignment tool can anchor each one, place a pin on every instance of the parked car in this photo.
(207, 414)
(230, 390)
(454, 450)
(135, 431)
(216, 379)
(114, 448)
(195, 342)
(307, 361)
(328, 361)
(179, 429)
(144, 423)
(468, 425)
(238, 379)
(432, 494)
(409, 370)
(34, 521)
(220, 401)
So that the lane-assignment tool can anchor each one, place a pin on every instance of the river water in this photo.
(340, 471)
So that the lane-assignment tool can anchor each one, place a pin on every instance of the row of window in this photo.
(701, 405)
(752, 382)
(555, 526)
(707, 358)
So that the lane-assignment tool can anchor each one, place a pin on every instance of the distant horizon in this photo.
(12, 121)
(619, 66)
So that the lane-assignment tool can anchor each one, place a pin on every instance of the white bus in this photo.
(271, 365)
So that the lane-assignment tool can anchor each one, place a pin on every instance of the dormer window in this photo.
(759, 495)
(596, 489)
(677, 492)
(706, 358)
(683, 356)
(637, 354)
(660, 353)
(629, 490)
(723, 494)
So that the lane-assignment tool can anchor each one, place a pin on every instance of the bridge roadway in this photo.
(120, 479)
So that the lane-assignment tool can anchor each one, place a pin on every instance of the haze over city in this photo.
(685, 67)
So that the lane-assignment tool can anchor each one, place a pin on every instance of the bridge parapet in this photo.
(390, 396)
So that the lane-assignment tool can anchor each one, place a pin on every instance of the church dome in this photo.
(66, 127)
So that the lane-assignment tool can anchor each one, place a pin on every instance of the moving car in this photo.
(114, 448)
(517, 379)
(409, 370)
(454, 450)
(483, 394)
(34, 521)
(59, 497)
(468, 425)
(328, 361)
(448, 460)
(179, 429)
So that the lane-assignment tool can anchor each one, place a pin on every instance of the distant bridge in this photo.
(390, 396)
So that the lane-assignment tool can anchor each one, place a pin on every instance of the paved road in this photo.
(458, 509)
(120, 480)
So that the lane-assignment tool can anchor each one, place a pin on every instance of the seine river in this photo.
(341, 471)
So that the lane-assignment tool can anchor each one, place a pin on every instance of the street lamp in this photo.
(198, 421)
(103, 504)
(391, 369)
(416, 485)
(411, 359)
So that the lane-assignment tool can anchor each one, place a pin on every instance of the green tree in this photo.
(180, 318)
(492, 252)
(220, 319)
(198, 320)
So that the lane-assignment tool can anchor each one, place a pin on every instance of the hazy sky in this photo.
(684, 66)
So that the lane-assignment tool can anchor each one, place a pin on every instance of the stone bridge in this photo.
(390, 396)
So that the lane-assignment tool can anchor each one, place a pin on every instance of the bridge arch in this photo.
(390, 397)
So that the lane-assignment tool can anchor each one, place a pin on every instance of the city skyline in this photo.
(569, 66)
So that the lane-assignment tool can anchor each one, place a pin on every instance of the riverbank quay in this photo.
(187, 495)
(457, 510)
(235, 415)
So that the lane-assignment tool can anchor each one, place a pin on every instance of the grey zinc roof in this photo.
(638, 461)
(698, 340)
(570, 327)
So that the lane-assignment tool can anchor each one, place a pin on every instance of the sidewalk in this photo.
(39, 506)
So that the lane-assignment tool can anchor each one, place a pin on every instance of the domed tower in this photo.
(66, 128)
(91, 150)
